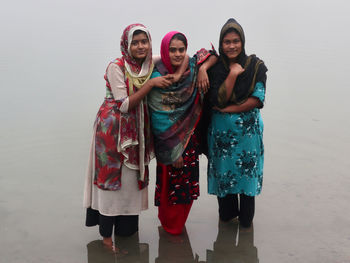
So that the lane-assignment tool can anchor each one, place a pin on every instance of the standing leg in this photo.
(172, 216)
(228, 207)
(129, 245)
(106, 228)
(247, 209)
(126, 225)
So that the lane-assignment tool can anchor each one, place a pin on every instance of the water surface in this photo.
(52, 60)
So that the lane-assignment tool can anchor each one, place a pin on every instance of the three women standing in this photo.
(116, 184)
(235, 145)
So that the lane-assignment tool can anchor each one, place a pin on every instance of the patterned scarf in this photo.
(175, 110)
(136, 76)
(124, 138)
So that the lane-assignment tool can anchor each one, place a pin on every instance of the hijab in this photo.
(254, 71)
(136, 74)
(164, 49)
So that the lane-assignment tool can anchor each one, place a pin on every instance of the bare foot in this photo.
(175, 239)
(243, 229)
(120, 251)
(108, 242)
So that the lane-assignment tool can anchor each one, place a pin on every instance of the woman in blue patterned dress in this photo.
(235, 145)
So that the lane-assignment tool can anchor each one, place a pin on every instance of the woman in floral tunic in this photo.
(235, 145)
(116, 184)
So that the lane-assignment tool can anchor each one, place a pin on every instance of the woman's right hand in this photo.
(161, 82)
(236, 69)
(203, 80)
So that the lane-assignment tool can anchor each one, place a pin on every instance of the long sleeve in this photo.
(115, 77)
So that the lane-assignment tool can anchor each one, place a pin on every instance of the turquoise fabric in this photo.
(236, 151)
(162, 120)
(174, 112)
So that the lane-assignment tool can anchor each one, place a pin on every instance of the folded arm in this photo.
(115, 77)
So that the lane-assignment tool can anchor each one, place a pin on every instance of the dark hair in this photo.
(138, 31)
(181, 37)
(230, 30)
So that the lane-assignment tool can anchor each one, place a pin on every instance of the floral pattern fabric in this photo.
(117, 141)
(175, 112)
(236, 151)
(107, 159)
(183, 183)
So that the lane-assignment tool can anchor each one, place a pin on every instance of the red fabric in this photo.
(113, 129)
(124, 47)
(172, 217)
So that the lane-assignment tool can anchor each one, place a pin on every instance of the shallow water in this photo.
(52, 63)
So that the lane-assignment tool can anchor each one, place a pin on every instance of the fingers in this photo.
(203, 85)
(166, 83)
(203, 81)
(179, 163)
(176, 165)
(169, 77)
(163, 82)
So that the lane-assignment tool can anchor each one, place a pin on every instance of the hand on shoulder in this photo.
(161, 82)
(236, 69)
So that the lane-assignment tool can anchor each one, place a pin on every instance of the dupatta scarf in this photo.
(254, 71)
(124, 138)
(175, 110)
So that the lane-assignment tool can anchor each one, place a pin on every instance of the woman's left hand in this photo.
(230, 108)
(202, 80)
(174, 77)
(217, 109)
(179, 163)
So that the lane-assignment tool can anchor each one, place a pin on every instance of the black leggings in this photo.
(123, 225)
(228, 208)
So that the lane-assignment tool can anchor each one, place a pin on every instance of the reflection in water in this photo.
(175, 249)
(130, 251)
(233, 244)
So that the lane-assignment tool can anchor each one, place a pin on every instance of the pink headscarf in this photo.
(164, 50)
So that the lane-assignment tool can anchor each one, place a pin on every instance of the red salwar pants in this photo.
(172, 216)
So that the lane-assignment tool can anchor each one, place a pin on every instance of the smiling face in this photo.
(232, 46)
(139, 47)
(177, 52)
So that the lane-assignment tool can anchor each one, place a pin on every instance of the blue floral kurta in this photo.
(236, 151)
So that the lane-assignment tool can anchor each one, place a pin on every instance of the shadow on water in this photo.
(233, 244)
(173, 249)
(130, 250)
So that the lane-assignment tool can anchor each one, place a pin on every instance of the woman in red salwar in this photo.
(175, 112)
